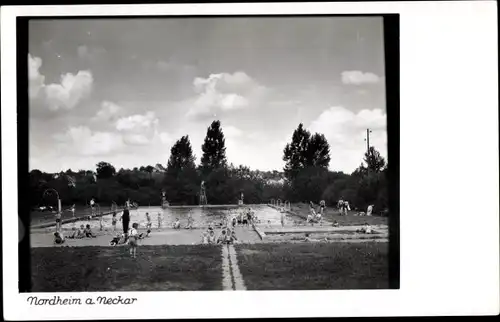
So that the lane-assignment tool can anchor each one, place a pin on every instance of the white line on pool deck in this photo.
(231, 275)
(239, 283)
(227, 284)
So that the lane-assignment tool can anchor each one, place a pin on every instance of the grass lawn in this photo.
(314, 266)
(156, 268)
(332, 214)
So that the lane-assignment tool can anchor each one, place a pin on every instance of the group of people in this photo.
(343, 206)
(316, 217)
(227, 236)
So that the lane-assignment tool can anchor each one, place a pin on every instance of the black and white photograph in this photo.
(186, 155)
(213, 153)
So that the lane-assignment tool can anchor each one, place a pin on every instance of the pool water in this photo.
(201, 216)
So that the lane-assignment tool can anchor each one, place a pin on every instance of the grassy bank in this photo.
(314, 266)
(156, 268)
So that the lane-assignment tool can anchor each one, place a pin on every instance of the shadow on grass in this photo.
(156, 268)
(314, 266)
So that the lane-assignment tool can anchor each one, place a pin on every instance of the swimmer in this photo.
(283, 220)
(233, 222)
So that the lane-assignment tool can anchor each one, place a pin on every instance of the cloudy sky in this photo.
(123, 91)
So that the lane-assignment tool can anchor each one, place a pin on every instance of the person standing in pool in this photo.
(283, 220)
(125, 220)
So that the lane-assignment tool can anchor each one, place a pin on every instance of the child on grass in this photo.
(77, 233)
(58, 237)
(133, 239)
(87, 232)
(211, 237)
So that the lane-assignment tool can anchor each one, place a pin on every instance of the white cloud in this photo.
(36, 80)
(356, 77)
(71, 90)
(108, 111)
(225, 92)
(346, 131)
(66, 95)
(137, 122)
(81, 140)
(139, 129)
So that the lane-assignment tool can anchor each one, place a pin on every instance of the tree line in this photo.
(305, 177)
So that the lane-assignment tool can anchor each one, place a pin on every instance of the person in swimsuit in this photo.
(321, 207)
(190, 222)
(177, 224)
(204, 238)
(113, 221)
(211, 237)
(149, 224)
(159, 220)
(58, 221)
(133, 239)
(58, 237)
(77, 233)
(87, 232)
(283, 220)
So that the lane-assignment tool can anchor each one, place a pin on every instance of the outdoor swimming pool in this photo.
(201, 216)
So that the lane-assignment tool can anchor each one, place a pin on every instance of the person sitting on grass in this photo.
(177, 224)
(335, 224)
(211, 237)
(233, 239)
(87, 232)
(58, 237)
(133, 238)
(223, 237)
(190, 222)
(77, 233)
(204, 238)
